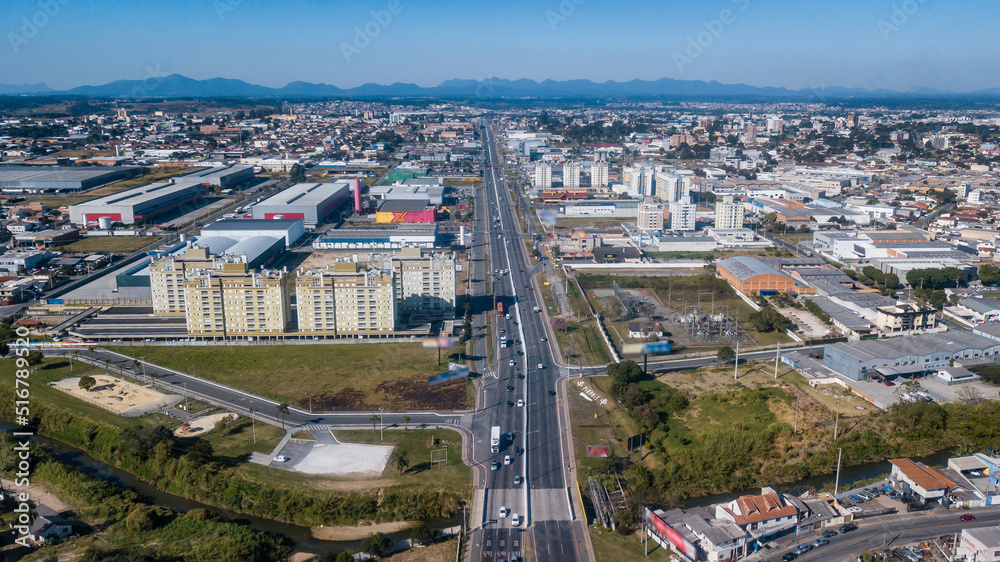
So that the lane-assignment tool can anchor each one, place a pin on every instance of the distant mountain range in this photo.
(175, 86)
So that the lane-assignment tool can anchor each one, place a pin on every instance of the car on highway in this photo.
(820, 542)
(847, 528)
(503, 331)
(540, 366)
(520, 403)
(518, 450)
(281, 458)
(803, 548)
(968, 517)
(506, 460)
(518, 480)
(544, 339)
(504, 512)
(494, 465)
(520, 375)
(510, 388)
(515, 520)
(829, 533)
(511, 362)
(552, 393)
(510, 404)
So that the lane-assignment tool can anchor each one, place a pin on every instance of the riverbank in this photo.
(359, 532)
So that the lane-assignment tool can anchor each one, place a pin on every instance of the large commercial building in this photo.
(37, 179)
(229, 301)
(728, 213)
(752, 276)
(905, 356)
(222, 176)
(345, 300)
(408, 236)
(288, 229)
(310, 202)
(404, 211)
(135, 205)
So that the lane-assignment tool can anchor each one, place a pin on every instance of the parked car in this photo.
(855, 509)
(829, 533)
(847, 528)
(890, 383)
(820, 542)
(281, 458)
(803, 548)
(788, 557)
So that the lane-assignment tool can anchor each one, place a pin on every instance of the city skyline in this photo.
(902, 45)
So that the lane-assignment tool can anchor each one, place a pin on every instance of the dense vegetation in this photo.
(193, 472)
(934, 278)
(140, 531)
(725, 440)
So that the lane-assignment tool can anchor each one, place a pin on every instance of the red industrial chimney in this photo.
(357, 196)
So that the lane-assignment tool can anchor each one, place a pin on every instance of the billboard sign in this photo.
(668, 533)
(636, 441)
(646, 348)
(432, 343)
(442, 378)
(598, 451)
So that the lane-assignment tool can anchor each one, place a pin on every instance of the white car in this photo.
(504, 512)
(506, 459)
(855, 509)
(511, 363)
(515, 520)
(520, 403)
(281, 458)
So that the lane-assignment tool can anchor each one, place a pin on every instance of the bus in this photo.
(499, 309)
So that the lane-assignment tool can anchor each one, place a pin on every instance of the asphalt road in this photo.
(893, 530)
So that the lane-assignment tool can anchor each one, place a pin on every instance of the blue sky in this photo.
(870, 44)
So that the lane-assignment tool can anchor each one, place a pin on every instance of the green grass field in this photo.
(114, 244)
(341, 376)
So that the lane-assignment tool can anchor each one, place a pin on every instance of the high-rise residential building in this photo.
(543, 175)
(751, 133)
(650, 216)
(571, 175)
(346, 300)
(642, 182)
(728, 213)
(775, 125)
(227, 300)
(672, 186)
(166, 279)
(683, 215)
(425, 286)
(599, 170)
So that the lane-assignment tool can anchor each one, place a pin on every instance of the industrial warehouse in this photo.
(310, 202)
(36, 179)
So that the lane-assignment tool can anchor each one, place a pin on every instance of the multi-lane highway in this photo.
(522, 399)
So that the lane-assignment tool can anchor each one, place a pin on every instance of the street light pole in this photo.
(381, 434)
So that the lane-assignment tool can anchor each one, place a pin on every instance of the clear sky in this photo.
(871, 44)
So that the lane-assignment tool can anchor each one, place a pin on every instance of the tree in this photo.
(34, 358)
(568, 352)
(559, 323)
(623, 375)
(969, 394)
(201, 452)
(4, 349)
(282, 411)
(989, 274)
(768, 319)
(726, 354)
(297, 174)
(374, 419)
(87, 382)
(376, 544)
(406, 422)
(401, 461)
(421, 535)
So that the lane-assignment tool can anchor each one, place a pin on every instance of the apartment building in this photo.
(166, 279)
(228, 300)
(543, 175)
(345, 300)
(650, 216)
(571, 175)
(683, 215)
(728, 213)
(425, 286)
(599, 170)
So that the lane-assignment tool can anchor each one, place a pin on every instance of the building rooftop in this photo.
(983, 305)
(744, 267)
(306, 194)
(249, 224)
(402, 206)
(920, 346)
(922, 475)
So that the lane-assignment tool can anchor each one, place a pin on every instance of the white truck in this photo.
(495, 439)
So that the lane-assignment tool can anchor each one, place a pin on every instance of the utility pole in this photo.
(777, 359)
(381, 434)
(836, 419)
(736, 366)
(795, 429)
(254, 423)
(836, 482)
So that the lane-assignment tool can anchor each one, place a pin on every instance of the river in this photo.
(300, 537)
(848, 476)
